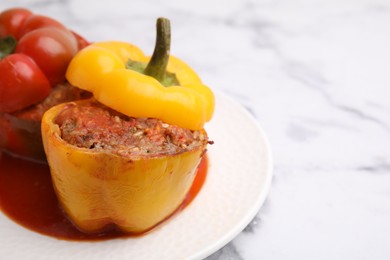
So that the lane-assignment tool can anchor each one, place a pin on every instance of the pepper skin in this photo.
(97, 189)
(21, 137)
(20, 132)
(106, 69)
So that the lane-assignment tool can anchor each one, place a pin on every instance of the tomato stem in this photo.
(157, 65)
(7, 46)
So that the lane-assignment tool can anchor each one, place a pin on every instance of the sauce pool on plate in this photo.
(28, 198)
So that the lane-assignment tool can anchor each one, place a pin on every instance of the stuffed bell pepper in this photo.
(128, 156)
(35, 51)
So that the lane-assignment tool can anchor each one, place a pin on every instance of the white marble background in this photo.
(316, 75)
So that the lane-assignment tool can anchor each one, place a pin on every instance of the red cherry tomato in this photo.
(22, 83)
(52, 49)
(11, 21)
(34, 22)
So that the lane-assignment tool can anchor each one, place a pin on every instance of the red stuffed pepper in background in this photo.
(35, 51)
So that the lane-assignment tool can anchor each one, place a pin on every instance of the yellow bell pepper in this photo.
(161, 86)
(97, 189)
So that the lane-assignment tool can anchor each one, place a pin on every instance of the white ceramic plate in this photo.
(239, 177)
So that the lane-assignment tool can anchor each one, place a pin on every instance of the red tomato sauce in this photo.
(28, 198)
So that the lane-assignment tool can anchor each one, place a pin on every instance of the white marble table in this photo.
(316, 76)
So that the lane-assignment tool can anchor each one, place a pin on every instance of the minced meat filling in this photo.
(61, 93)
(99, 128)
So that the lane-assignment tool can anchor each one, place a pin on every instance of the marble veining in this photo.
(315, 75)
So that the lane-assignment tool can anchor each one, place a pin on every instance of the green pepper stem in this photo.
(157, 65)
(7, 46)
